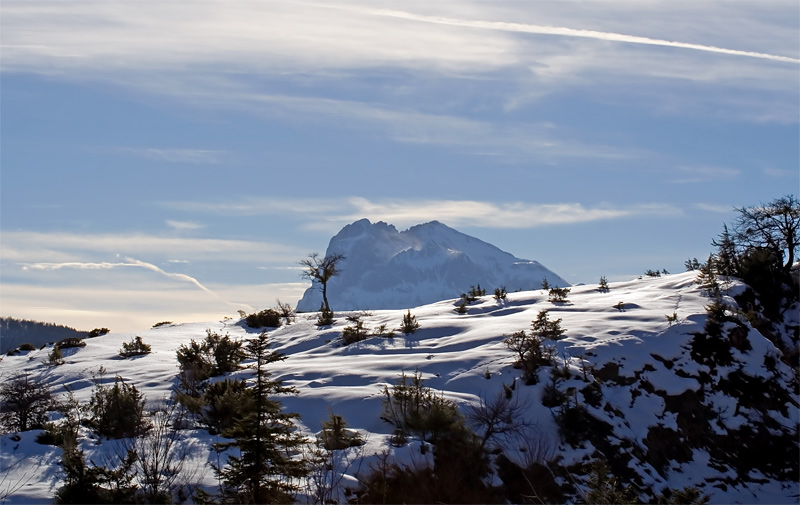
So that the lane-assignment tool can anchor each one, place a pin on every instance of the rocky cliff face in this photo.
(388, 269)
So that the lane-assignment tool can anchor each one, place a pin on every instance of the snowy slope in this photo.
(388, 269)
(641, 363)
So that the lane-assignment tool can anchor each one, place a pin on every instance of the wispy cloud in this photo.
(777, 172)
(65, 247)
(184, 225)
(714, 207)
(192, 156)
(501, 215)
(702, 173)
(326, 214)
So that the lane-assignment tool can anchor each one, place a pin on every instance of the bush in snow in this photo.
(268, 318)
(414, 408)
(24, 404)
(410, 324)
(134, 348)
(558, 295)
(118, 411)
(356, 332)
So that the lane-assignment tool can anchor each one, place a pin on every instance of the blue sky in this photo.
(174, 160)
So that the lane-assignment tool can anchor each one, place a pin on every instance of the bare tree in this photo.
(160, 457)
(499, 418)
(773, 225)
(321, 270)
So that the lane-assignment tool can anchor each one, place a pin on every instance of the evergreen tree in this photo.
(727, 257)
(707, 277)
(265, 437)
(543, 328)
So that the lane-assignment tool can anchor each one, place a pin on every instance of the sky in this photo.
(175, 160)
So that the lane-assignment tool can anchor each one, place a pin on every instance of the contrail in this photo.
(571, 32)
(130, 262)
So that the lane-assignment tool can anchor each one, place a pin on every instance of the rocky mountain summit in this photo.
(389, 269)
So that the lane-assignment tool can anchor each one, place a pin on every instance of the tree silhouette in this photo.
(321, 270)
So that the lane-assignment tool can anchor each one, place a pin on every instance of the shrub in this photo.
(357, 332)
(574, 422)
(652, 273)
(26, 347)
(324, 316)
(414, 408)
(620, 306)
(98, 332)
(551, 395)
(224, 403)
(70, 342)
(383, 331)
(410, 324)
(24, 404)
(462, 307)
(335, 435)
(286, 311)
(531, 353)
(545, 284)
(603, 285)
(558, 294)
(118, 411)
(543, 328)
(500, 293)
(162, 323)
(473, 294)
(216, 355)
(605, 488)
(134, 348)
(268, 318)
(55, 357)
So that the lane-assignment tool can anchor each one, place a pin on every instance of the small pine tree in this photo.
(603, 286)
(410, 324)
(324, 316)
(356, 332)
(335, 435)
(264, 469)
(500, 293)
(543, 328)
(727, 259)
(558, 295)
(545, 284)
(707, 277)
(691, 264)
(55, 357)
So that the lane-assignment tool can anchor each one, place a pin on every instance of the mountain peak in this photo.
(387, 269)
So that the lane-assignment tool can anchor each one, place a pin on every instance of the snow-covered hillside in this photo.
(387, 269)
(636, 373)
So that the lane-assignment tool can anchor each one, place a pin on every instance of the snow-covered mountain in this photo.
(389, 269)
(666, 405)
